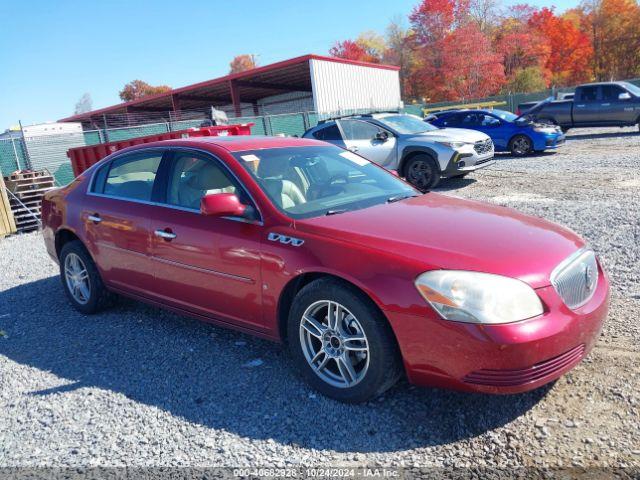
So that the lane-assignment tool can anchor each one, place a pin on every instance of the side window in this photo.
(328, 133)
(589, 94)
(610, 93)
(358, 130)
(453, 119)
(471, 120)
(191, 177)
(131, 176)
(489, 121)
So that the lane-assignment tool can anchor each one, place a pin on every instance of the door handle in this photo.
(95, 218)
(605, 105)
(353, 149)
(164, 234)
(582, 105)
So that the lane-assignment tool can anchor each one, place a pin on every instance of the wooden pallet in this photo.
(7, 221)
(28, 187)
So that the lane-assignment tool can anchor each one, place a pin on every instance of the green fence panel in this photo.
(9, 163)
(118, 134)
(289, 125)
(93, 137)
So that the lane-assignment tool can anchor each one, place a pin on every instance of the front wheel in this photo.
(520, 145)
(421, 171)
(341, 343)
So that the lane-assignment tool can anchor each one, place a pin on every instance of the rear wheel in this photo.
(341, 343)
(520, 145)
(81, 280)
(422, 172)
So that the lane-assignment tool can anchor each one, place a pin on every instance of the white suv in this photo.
(418, 151)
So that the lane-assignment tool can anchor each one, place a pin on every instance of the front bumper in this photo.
(467, 159)
(549, 142)
(509, 358)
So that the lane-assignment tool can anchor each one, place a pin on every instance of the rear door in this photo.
(361, 137)
(206, 265)
(587, 108)
(116, 214)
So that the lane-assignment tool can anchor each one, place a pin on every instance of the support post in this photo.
(27, 159)
(235, 98)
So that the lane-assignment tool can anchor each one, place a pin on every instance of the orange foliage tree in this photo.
(241, 63)
(571, 51)
(138, 89)
(613, 29)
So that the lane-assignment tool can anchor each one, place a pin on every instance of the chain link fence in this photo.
(50, 151)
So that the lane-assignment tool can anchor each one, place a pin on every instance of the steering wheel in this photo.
(332, 186)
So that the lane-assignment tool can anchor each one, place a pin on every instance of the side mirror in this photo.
(382, 136)
(222, 205)
(624, 96)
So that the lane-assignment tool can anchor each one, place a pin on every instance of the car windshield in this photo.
(306, 182)
(508, 116)
(406, 124)
(632, 88)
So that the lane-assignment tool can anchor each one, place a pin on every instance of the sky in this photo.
(55, 51)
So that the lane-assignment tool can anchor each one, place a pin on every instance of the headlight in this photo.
(544, 129)
(474, 297)
(453, 145)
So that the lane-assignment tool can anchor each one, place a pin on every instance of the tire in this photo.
(520, 145)
(565, 129)
(77, 266)
(374, 359)
(422, 172)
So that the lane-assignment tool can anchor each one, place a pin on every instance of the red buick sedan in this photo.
(362, 276)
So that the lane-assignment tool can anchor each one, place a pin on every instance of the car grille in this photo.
(576, 278)
(483, 146)
(521, 376)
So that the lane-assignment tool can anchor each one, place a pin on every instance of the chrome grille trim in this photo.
(576, 278)
(483, 146)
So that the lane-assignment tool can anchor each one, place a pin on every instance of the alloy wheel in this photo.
(77, 278)
(420, 174)
(334, 344)
(521, 146)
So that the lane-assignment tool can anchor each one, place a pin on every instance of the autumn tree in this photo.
(571, 51)
(470, 68)
(455, 59)
(524, 52)
(138, 89)
(241, 63)
(613, 29)
(400, 52)
(352, 50)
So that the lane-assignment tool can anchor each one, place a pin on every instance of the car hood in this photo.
(441, 232)
(450, 134)
(535, 108)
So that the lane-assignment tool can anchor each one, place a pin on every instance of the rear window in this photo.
(129, 177)
(328, 133)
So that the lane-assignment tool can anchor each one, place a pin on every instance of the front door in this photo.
(115, 213)
(362, 138)
(615, 110)
(203, 264)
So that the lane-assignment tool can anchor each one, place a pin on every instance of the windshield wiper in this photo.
(335, 212)
(397, 198)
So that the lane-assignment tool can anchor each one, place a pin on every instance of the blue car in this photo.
(509, 132)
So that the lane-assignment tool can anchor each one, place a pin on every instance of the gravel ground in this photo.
(139, 386)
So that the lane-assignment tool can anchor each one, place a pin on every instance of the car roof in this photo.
(236, 143)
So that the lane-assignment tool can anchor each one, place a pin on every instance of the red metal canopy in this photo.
(245, 87)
